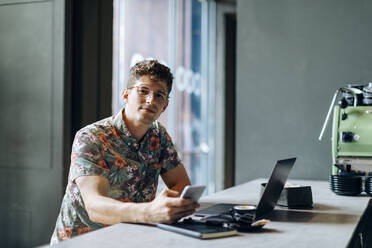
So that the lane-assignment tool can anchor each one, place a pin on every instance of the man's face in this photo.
(145, 100)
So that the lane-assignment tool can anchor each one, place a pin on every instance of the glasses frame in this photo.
(166, 98)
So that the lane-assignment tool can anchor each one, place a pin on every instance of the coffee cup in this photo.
(244, 209)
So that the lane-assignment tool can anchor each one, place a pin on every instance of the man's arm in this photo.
(177, 178)
(166, 208)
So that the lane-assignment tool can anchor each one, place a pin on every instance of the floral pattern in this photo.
(106, 148)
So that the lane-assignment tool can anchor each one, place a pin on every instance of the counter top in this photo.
(330, 223)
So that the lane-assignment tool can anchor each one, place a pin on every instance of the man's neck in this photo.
(138, 130)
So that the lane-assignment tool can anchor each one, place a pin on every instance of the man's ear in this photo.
(124, 95)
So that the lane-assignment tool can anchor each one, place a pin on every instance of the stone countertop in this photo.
(330, 223)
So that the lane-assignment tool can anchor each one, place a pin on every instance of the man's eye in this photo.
(160, 96)
(144, 91)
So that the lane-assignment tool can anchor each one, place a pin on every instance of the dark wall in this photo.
(291, 57)
(89, 45)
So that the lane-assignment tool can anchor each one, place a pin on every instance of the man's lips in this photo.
(150, 110)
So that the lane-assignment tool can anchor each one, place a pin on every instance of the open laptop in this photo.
(269, 197)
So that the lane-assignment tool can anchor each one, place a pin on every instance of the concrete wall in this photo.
(31, 124)
(292, 55)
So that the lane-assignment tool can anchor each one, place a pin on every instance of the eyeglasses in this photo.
(143, 91)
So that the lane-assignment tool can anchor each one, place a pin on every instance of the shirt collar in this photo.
(124, 133)
(119, 123)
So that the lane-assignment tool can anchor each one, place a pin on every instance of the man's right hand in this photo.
(168, 207)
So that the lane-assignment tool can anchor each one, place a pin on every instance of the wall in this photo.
(31, 124)
(291, 57)
(55, 77)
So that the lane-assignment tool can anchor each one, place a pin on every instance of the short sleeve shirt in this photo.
(106, 148)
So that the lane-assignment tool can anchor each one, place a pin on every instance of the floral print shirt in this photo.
(106, 148)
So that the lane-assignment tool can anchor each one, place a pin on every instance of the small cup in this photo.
(244, 209)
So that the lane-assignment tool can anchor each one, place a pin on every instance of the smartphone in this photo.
(193, 192)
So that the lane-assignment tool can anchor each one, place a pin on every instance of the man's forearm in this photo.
(108, 211)
(180, 186)
(177, 178)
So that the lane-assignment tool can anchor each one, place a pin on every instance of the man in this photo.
(116, 162)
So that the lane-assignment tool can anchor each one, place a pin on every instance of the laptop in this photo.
(269, 197)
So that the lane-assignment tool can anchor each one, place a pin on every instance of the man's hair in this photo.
(154, 69)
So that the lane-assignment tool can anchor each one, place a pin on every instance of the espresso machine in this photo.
(351, 140)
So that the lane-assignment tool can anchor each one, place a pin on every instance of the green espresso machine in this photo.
(351, 136)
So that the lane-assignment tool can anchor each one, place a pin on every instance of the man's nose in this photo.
(150, 97)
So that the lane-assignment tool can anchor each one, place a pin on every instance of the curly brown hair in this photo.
(154, 69)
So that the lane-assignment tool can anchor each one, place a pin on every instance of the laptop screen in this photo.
(274, 186)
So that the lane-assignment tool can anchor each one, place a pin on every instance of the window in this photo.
(176, 34)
